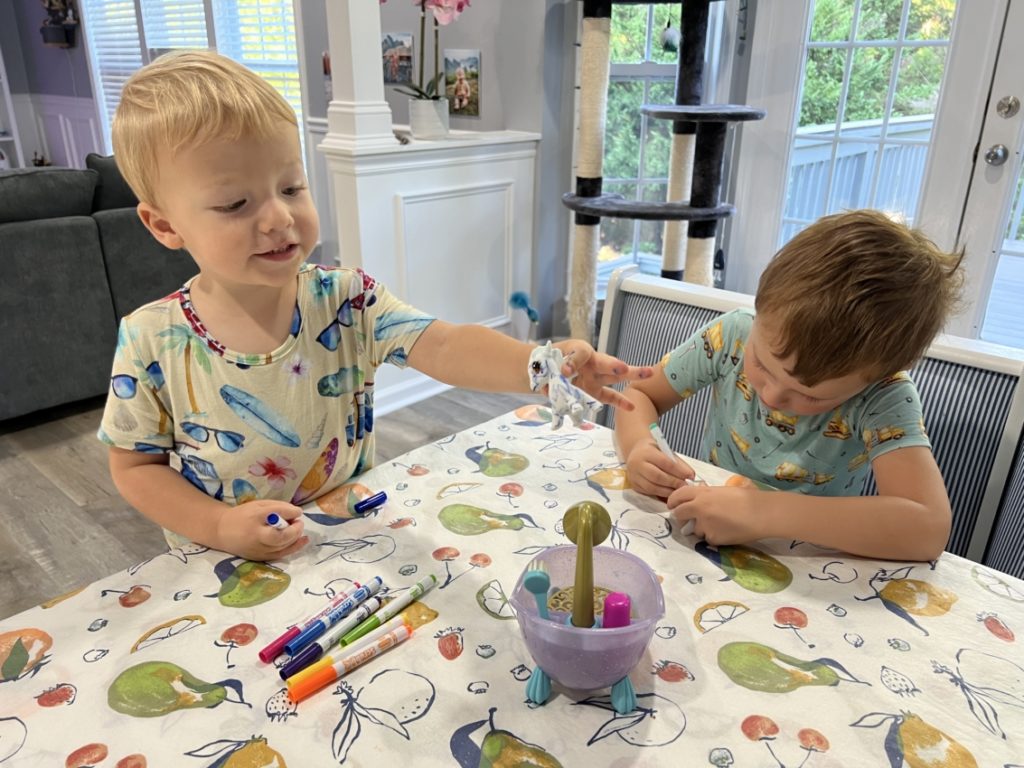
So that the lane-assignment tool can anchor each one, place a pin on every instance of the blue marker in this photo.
(336, 614)
(274, 520)
(371, 502)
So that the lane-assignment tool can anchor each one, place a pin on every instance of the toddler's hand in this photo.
(243, 530)
(653, 473)
(720, 515)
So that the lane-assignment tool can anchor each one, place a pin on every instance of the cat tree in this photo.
(692, 209)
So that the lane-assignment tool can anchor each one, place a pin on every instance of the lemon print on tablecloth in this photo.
(610, 479)
(996, 585)
(166, 631)
(918, 597)
(713, 615)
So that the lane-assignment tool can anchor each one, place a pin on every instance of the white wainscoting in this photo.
(447, 226)
(64, 129)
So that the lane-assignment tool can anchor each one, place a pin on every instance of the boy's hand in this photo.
(243, 530)
(652, 473)
(595, 371)
(720, 515)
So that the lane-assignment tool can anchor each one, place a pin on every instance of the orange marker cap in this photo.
(310, 685)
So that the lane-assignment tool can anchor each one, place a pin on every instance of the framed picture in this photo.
(462, 81)
(396, 57)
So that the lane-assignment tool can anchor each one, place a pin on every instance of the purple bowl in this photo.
(588, 659)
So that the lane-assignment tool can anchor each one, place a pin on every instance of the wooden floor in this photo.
(63, 524)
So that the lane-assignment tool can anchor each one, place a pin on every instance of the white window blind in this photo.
(261, 35)
(115, 51)
(125, 34)
(174, 24)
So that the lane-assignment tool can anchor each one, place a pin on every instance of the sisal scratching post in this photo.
(594, 76)
(680, 175)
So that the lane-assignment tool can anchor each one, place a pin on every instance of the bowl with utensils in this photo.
(572, 647)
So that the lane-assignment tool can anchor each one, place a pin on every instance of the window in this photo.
(126, 34)
(872, 75)
(636, 148)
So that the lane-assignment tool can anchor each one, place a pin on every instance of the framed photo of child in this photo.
(462, 81)
(396, 57)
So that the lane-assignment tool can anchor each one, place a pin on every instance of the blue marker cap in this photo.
(305, 637)
(274, 520)
(306, 656)
(371, 503)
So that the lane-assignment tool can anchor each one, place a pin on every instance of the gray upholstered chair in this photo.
(971, 393)
(1006, 547)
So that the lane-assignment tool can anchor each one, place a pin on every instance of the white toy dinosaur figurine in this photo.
(566, 399)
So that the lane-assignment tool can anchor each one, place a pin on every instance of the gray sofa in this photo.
(74, 258)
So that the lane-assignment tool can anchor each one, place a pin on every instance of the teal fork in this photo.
(537, 581)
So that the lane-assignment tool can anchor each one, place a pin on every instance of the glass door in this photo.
(886, 104)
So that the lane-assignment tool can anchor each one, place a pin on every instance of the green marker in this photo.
(392, 609)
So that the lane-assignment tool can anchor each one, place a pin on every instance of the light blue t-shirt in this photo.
(826, 455)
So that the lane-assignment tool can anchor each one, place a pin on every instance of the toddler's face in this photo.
(241, 208)
(779, 391)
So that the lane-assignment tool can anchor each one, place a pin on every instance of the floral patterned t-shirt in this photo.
(825, 455)
(291, 424)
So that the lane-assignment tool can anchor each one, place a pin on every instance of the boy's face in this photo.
(779, 391)
(241, 208)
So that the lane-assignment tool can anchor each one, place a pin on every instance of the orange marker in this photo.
(301, 689)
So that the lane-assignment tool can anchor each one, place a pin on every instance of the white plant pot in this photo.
(428, 118)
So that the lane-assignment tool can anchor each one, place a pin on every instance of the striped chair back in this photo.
(1006, 547)
(968, 400)
(646, 317)
(971, 395)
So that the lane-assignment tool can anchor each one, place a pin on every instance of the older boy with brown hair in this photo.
(257, 375)
(810, 392)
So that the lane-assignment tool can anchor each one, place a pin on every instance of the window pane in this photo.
(930, 19)
(851, 176)
(662, 15)
(833, 20)
(919, 81)
(823, 86)
(650, 235)
(899, 179)
(1002, 316)
(879, 19)
(622, 129)
(658, 137)
(869, 84)
(807, 189)
(629, 34)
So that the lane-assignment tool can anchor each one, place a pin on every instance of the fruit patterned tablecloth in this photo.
(778, 654)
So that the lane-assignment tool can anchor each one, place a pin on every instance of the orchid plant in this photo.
(445, 12)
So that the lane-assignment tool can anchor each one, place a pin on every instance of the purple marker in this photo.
(616, 610)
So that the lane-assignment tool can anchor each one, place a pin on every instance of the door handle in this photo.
(996, 154)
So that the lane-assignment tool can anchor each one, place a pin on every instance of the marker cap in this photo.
(312, 684)
(304, 638)
(616, 610)
(371, 502)
(276, 648)
(305, 657)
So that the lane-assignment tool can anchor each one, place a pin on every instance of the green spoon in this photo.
(586, 524)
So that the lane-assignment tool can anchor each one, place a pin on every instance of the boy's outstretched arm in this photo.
(475, 357)
(909, 519)
(160, 493)
(650, 471)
